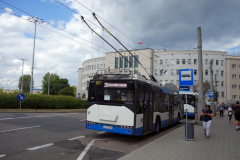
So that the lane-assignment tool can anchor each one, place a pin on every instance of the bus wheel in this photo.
(157, 125)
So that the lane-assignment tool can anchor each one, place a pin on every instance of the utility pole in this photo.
(200, 105)
(211, 87)
(216, 89)
(36, 21)
(49, 84)
(22, 77)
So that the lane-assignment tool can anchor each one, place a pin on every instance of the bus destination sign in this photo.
(115, 85)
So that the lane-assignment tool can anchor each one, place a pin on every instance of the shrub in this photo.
(36, 101)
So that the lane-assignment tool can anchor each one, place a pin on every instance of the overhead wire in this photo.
(51, 30)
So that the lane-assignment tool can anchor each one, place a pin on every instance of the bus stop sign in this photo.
(210, 93)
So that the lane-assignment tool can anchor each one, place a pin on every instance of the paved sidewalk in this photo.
(223, 144)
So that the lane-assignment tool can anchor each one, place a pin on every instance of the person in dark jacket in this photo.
(207, 120)
(236, 110)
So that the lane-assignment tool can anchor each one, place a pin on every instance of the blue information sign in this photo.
(20, 96)
(186, 77)
(210, 93)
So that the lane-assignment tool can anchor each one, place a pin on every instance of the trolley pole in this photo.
(211, 87)
(200, 77)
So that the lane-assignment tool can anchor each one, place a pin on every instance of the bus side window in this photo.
(140, 98)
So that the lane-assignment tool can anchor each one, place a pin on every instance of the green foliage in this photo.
(216, 96)
(45, 81)
(56, 86)
(74, 90)
(26, 83)
(36, 101)
(83, 95)
(16, 91)
(67, 91)
(1, 90)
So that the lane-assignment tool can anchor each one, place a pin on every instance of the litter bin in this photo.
(190, 131)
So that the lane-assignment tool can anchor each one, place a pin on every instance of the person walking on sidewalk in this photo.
(236, 110)
(221, 109)
(207, 119)
(230, 112)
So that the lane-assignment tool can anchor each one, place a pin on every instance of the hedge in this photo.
(33, 101)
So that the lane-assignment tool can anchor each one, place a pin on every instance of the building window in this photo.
(195, 82)
(222, 83)
(206, 72)
(178, 61)
(234, 96)
(156, 62)
(135, 61)
(98, 66)
(234, 76)
(166, 72)
(216, 62)
(135, 71)
(189, 61)
(195, 72)
(116, 62)
(183, 61)
(155, 72)
(172, 81)
(161, 62)
(233, 66)
(221, 73)
(239, 67)
(195, 61)
(126, 71)
(166, 81)
(177, 82)
(178, 72)
(172, 71)
(166, 61)
(234, 86)
(126, 62)
(222, 94)
(161, 72)
(217, 72)
(206, 61)
(121, 62)
(160, 81)
(101, 65)
(172, 61)
(131, 72)
(222, 62)
(131, 62)
(217, 83)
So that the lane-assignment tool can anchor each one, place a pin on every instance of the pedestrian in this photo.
(230, 110)
(236, 110)
(221, 109)
(207, 119)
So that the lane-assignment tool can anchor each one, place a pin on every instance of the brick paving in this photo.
(223, 144)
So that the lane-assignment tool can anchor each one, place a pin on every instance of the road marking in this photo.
(38, 147)
(3, 155)
(19, 129)
(83, 119)
(76, 138)
(101, 132)
(36, 116)
(86, 149)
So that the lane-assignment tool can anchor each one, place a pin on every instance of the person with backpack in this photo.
(221, 109)
(236, 110)
(207, 119)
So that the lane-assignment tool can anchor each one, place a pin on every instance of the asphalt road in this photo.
(63, 136)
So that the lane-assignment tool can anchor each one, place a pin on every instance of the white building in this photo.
(164, 65)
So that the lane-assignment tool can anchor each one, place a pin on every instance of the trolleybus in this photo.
(130, 104)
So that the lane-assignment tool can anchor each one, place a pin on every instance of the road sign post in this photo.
(20, 97)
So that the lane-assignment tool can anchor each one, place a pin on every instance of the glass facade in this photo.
(121, 62)
(135, 61)
(125, 62)
(131, 61)
(116, 62)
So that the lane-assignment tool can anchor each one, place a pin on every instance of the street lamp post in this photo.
(22, 78)
(36, 21)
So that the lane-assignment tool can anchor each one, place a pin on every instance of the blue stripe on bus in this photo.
(139, 131)
(189, 114)
(115, 129)
(164, 123)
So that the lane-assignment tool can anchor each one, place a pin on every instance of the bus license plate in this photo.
(108, 127)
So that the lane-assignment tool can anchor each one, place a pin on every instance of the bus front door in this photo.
(147, 114)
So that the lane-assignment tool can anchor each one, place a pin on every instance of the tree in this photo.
(83, 95)
(56, 86)
(67, 91)
(74, 90)
(46, 80)
(1, 90)
(16, 91)
(216, 96)
(206, 87)
(26, 83)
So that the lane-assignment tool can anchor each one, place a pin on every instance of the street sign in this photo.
(185, 89)
(20, 96)
(210, 93)
(186, 77)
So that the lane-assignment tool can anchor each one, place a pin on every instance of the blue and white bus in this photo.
(130, 104)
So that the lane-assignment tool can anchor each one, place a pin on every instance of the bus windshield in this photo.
(111, 91)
